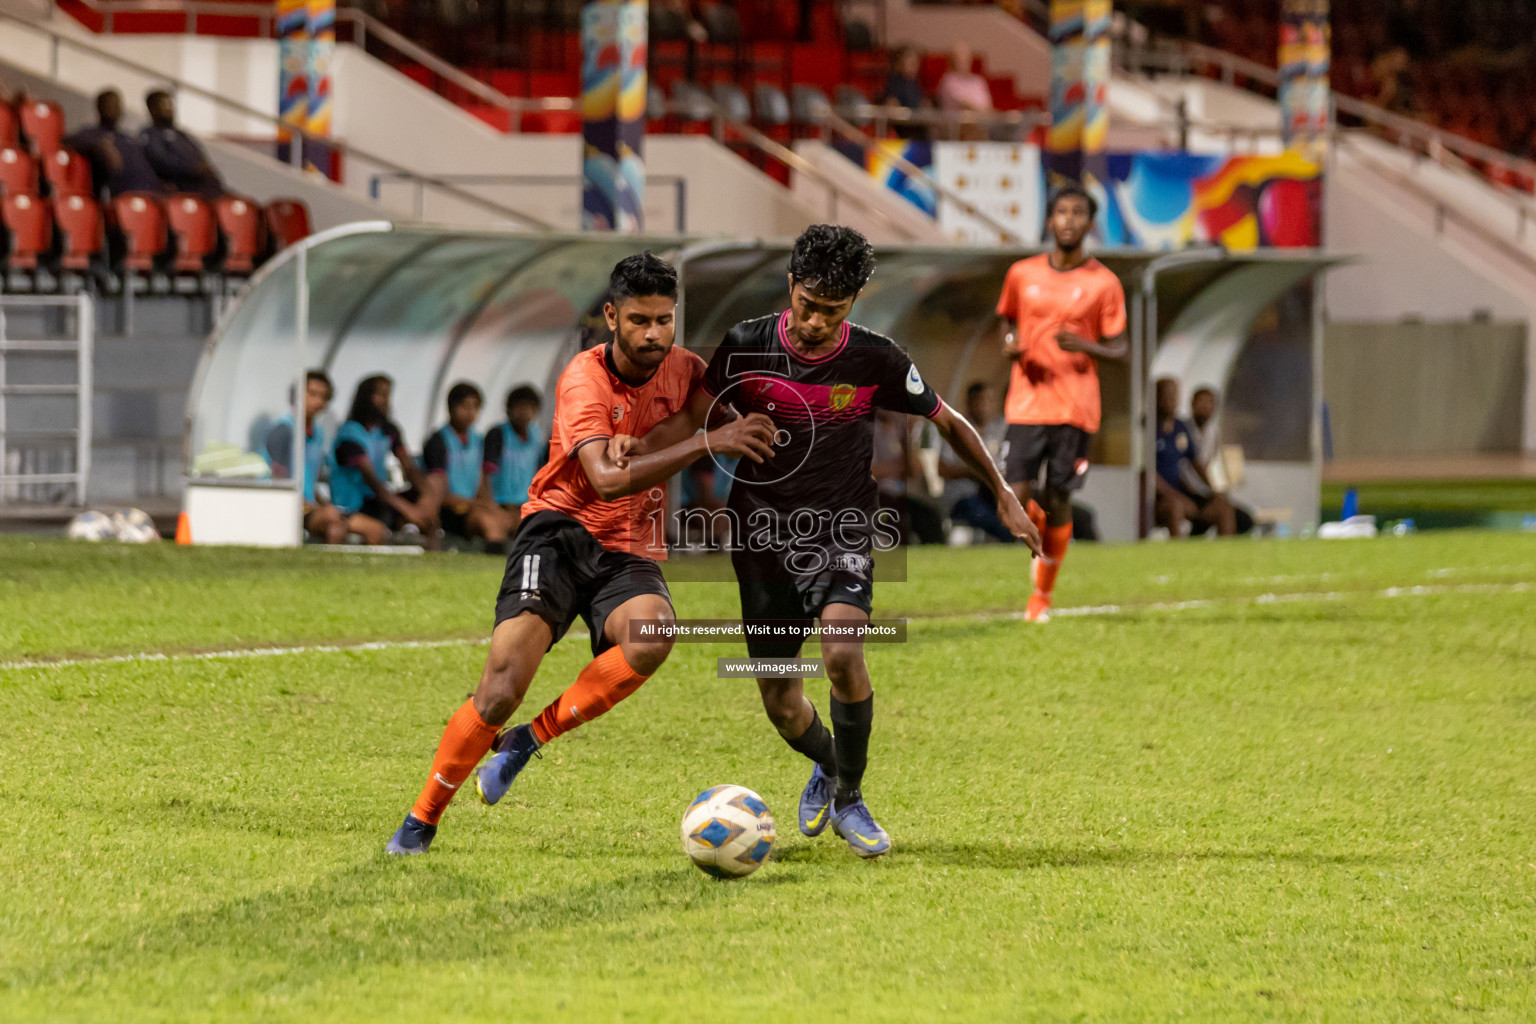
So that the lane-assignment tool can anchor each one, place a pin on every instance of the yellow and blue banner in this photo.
(321, 25)
(292, 63)
(1305, 60)
(613, 100)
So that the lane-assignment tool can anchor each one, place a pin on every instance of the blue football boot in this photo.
(858, 829)
(815, 803)
(513, 749)
(413, 837)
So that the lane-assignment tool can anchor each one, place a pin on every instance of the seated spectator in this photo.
(118, 161)
(705, 488)
(962, 90)
(1185, 496)
(177, 157)
(902, 89)
(360, 470)
(454, 459)
(322, 520)
(897, 474)
(970, 502)
(1202, 415)
(515, 450)
(1393, 82)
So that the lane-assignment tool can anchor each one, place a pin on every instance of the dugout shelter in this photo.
(432, 306)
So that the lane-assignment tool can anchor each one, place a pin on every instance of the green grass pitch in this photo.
(1279, 781)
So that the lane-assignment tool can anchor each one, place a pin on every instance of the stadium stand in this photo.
(55, 222)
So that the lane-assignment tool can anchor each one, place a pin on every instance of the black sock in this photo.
(852, 723)
(816, 744)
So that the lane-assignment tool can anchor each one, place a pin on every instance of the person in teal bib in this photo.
(454, 458)
(515, 450)
(322, 520)
(360, 473)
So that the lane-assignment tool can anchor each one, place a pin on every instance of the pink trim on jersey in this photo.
(784, 340)
(937, 409)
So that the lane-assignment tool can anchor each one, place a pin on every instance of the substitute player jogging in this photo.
(807, 519)
(587, 545)
(1063, 309)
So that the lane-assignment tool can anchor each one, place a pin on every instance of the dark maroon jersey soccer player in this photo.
(821, 380)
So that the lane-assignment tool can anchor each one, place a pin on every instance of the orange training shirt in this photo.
(591, 405)
(1047, 385)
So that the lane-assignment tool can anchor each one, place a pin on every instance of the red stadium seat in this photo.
(196, 231)
(553, 122)
(43, 121)
(287, 222)
(79, 221)
(68, 172)
(240, 220)
(18, 171)
(142, 220)
(31, 227)
(10, 126)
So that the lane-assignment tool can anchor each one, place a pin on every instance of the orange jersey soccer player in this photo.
(1063, 310)
(587, 544)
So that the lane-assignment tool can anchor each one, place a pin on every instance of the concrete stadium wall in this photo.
(1424, 388)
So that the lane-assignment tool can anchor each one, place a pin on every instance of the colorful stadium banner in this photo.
(1096, 75)
(877, 161)
(1080, 73)
(321, 23)
(292, 63)
(1064, 139)
(1154, 200)
(1305, 58)
(1175, 200)
(613, 94)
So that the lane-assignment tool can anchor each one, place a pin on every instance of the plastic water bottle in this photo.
(1404, 528)
(1351, 504)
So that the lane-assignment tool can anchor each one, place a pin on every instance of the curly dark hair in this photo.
(1072, 189)
(832, 261)
(462, 390)
(641, 275)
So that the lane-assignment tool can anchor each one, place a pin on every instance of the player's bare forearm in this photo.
(750, 438)
(967, 443)
(1110, 348)
(1012, 347)
(680, 425)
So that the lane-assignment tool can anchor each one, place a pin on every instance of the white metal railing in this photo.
(42, 466)
(57, 43)
(1189, 58)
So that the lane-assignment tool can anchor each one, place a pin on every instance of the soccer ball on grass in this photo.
(727, 831)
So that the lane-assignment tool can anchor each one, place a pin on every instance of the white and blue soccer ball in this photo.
(93, 526)
(728, 831)
(134, 526)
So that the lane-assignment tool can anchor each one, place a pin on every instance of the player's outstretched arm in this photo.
(967, 443)
(1109, 348)
(750, 437)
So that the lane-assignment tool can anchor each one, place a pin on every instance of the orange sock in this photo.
(605, 681)
(1036, 515)
(1055, 543)
(464, 743)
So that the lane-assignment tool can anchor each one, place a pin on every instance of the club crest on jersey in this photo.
(840, 396)
(914, 382)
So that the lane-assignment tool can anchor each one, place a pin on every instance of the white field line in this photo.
(1081, 610)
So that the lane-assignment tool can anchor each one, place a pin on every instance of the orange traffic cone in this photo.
(183, 529)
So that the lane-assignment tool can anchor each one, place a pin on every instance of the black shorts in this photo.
(770, 594)
(374, 508)
(1060, 447)
(456, 523)
(558, 571)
